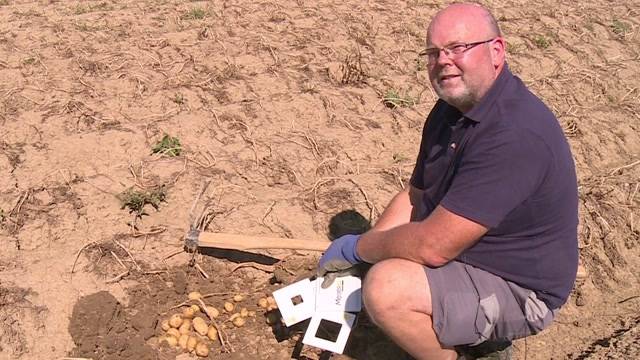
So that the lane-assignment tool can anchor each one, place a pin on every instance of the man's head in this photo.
(465, 53)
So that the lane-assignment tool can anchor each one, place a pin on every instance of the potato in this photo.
(185, 327)
(182, 341)
(212, 312)
(188, 313)
(251, 313)
(244, 312)
(212, 333)
(174, 332)
(229, 306)
(263, 303)
(238, 298)
(233, 316)
(171, 340)
(239, 321)
(195, 308)
(165, 325)
(202, 349)
(191, 343)
(200, 326)
(175, 321)
(194, 295)
(271, 304)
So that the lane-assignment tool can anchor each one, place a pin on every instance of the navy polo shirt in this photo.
(506, 164)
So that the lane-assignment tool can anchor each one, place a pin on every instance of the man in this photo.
(483, 243)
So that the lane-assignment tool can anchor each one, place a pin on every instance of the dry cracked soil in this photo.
(304, 119)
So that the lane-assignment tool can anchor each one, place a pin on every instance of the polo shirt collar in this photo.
(481, 109)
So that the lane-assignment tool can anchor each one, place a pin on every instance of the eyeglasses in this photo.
(451, 51)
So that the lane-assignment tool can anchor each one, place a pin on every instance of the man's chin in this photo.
(459, 102)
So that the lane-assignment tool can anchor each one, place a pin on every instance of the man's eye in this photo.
(431, 52)
(457, 48)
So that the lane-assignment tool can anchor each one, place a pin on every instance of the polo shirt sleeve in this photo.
(496, 174)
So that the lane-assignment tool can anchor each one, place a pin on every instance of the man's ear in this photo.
(498, 51)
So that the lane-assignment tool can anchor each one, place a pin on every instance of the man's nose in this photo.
(443, 57)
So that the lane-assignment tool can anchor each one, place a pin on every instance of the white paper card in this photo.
(302, 291)
(346, 321)
(344, 295)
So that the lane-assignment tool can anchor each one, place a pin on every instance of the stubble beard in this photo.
(463, 101)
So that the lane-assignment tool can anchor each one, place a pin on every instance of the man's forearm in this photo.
(399, 211)
(433, 241)
(403, 241)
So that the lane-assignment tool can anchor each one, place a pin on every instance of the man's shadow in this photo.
(348, 222)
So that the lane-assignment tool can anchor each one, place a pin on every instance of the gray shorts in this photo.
(471, 306)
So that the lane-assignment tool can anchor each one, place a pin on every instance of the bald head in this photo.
(467, 52)
(474, 17)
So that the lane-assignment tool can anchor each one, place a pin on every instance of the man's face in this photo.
(461, 80)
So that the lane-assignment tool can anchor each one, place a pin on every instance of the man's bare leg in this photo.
(398, 299)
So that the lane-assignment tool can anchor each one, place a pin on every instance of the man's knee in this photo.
(395, 285)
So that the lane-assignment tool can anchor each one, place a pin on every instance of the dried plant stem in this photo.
(204, 273)
(615, 171)
(224, 342)
(79, 252)
(261, 267)
(128, 253)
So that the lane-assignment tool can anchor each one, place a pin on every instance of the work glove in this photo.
(339, 259)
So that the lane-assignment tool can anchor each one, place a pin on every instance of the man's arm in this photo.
(401, 209)
(434, 241)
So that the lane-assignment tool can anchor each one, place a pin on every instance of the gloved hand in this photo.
(339, 259)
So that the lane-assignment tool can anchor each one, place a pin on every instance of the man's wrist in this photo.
(356, 255)
(351, 253)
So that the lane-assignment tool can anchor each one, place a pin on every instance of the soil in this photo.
(305, 119)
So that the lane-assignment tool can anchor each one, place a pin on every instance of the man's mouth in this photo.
(448, 77)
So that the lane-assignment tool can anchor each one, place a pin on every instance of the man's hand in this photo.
(339, 259)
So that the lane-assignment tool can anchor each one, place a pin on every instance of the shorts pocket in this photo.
(487, 317)
(455, 325)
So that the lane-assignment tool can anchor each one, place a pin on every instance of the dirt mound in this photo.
(102, 330)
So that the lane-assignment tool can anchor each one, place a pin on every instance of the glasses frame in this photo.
(455, 49)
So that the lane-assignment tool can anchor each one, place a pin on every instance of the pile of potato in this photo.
(190, 330)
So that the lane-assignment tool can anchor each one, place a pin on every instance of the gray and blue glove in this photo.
(339, 259)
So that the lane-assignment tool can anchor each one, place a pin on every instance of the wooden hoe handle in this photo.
(250, 242)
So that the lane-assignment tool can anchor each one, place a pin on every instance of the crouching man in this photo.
(482, 246)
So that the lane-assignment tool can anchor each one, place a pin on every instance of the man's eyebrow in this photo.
(455, 42)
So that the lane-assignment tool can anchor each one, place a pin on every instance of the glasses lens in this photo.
(430, 53)
(457, 49)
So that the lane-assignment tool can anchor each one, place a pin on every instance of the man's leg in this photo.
(398, 299)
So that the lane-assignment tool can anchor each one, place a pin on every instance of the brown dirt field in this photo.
(280, 105)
